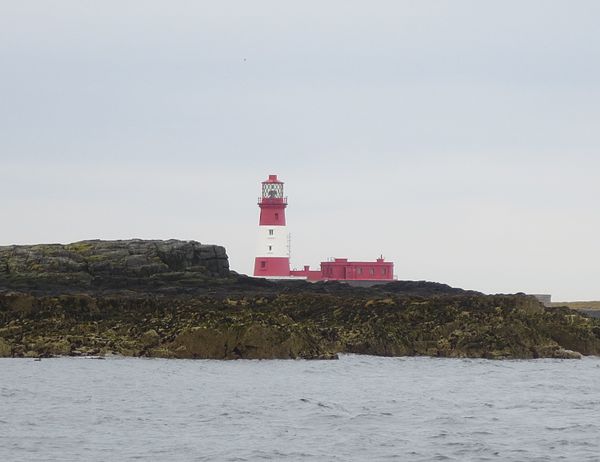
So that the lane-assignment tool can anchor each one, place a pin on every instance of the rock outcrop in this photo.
(95, 265)
(292, 325)
(178, 299)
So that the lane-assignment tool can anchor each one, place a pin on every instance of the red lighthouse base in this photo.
(272, 267)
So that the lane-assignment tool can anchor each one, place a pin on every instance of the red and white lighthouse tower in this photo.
(273, 256)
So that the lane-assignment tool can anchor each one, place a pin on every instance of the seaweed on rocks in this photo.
(178, 299)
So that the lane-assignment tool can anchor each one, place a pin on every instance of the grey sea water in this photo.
(358, 408)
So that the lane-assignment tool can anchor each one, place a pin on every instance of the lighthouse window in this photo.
(270, 248)
(270, 232)
(277, 216)
(263, 264)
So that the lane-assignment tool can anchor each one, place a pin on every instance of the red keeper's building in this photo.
(273, 253)
(340, 269)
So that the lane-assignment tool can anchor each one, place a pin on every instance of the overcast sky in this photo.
(461, 139)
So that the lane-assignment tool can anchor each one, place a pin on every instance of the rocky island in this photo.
(179, 299)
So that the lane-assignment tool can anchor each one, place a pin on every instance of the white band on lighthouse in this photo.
(272, 241)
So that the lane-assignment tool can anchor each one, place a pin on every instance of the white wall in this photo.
(278, 242)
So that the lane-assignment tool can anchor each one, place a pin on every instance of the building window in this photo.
(383, 271)
(270, 232)
(276, 217)
(372, 271)
(359, 270)
(263, 264)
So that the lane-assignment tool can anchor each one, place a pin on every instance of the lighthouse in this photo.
(273, 256)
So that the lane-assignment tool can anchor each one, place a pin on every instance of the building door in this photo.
(349, 272)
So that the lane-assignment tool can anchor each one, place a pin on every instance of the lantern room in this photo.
(272, 188)
(272, 203)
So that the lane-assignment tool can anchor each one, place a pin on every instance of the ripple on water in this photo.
(357, 408)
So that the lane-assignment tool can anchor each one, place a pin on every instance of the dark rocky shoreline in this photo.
(177, 299)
